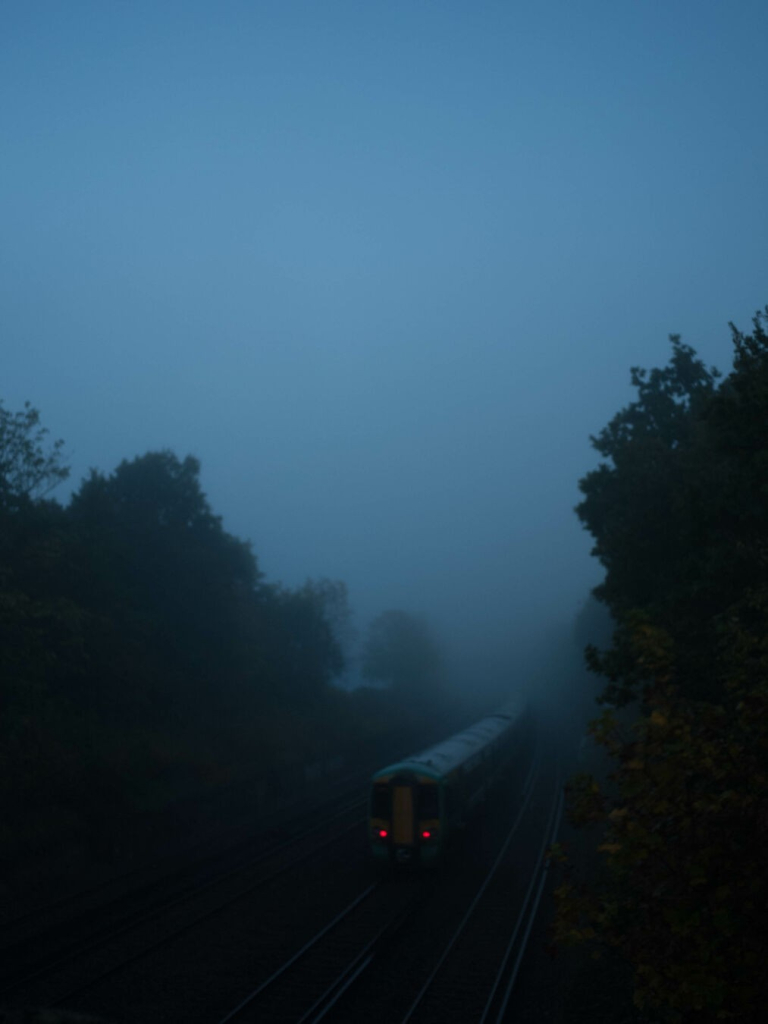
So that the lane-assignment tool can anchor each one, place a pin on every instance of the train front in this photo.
(406, 815)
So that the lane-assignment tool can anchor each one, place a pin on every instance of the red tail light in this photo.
(383, 833)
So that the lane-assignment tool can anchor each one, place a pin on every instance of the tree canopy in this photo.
(29, 466)
(680, 521)
(679, 513)
(136, 634)
(401, 652)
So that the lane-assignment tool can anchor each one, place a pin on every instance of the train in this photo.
(417, 804)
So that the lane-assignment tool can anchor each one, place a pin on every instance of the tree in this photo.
(29, 469)
(167, 582)
(680, 520)
(303, 648)
(401, 652)
(333, 597)
(683, 830)
(668, 517)
(138, 643)
(36, 618)
(153, 510)
(632, 503)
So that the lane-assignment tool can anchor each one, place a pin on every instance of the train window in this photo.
(450, 800)
(428, 805)
(381, 805)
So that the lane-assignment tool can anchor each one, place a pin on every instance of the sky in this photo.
(382, 267)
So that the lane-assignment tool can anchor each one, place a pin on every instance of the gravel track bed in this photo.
(184, 932)
(304, 983)
(210, 965)
(205, 973)
(44, 936)
(466, 978)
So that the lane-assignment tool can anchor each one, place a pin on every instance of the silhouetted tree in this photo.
(29, 467)
(139, 644)
(305, 652)
(401, 652)
(153, 555)
(680, 520)
(656, 513)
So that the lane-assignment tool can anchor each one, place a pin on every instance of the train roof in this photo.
(444, 757)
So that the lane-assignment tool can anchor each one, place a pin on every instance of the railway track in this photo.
(478, 954)
(499, 997)
(474, 949)
(115, 942)
(314, 984)
(30, 921)
(268, 942)
(312, 981)
(164, 870)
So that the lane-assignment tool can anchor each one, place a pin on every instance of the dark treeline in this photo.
(679, 513)
(144, 658)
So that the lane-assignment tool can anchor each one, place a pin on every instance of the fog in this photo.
(382, 268)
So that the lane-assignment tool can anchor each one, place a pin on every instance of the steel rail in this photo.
(365, 956)
(189, 850)
(268, 982)
(359, 963)
(528, 792)
(188, 926)
(539, 874)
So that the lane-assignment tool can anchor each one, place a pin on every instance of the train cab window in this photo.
(381, 804)
(449, 801)
(428, 805)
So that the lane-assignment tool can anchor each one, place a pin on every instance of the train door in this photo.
(402, 813)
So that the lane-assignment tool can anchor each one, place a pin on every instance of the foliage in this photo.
(142, 655)
(144, 660)
(148, 548)
(401, 652)
(303, 625)
(679, 516)
(680, 519)
(685, 829)
(332, 597)
(27, 469)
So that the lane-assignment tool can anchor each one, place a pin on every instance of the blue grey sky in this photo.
(383, 267)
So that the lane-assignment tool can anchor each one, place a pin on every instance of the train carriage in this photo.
(416, 804)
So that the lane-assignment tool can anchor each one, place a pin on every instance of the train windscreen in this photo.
(380, 801)
(428, 805)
